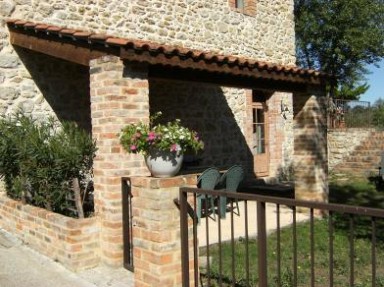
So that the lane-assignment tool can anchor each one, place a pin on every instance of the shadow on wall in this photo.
(204, 108)
(64, 86)
(311, 139)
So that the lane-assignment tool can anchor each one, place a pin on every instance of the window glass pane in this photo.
(239, 4)
(258, 131)
(260, 116)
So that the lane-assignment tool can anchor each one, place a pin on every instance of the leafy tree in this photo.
(350, 90)
(340, 37)
(378, 113)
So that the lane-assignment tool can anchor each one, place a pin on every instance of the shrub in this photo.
(39, 161)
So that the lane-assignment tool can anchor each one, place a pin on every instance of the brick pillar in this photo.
(156, 231)
(119, 95)
(310, 154)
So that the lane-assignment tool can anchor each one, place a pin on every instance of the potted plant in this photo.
(162, 144)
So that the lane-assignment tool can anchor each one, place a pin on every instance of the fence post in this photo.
(262, 244)
(127, 222)
(184, 238)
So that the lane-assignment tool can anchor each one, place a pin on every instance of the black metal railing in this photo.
(280, 242)
(127, 223)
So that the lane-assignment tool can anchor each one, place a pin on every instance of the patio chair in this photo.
(207, 180)
(230, 181)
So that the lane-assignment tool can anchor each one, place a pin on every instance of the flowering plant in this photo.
(172, 136)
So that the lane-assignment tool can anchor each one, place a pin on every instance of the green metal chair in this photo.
(230, 181)
(207, 180)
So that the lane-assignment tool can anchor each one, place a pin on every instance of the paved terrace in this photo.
(239, 222)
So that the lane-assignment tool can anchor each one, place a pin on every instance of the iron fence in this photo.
(280, 242)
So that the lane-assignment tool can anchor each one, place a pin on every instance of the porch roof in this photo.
(82, 46)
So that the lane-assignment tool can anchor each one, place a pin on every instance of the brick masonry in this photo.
(310, 152)
(72, 242)
(119, 95)
(156, 230)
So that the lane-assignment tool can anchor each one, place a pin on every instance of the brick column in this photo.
(310, 155)
(156, 231)
(119, 95)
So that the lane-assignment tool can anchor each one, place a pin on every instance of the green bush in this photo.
(39, 160)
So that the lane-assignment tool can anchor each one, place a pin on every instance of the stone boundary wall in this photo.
(342, 142)
(72, 242)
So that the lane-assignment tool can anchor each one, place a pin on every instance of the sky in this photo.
(376, 82)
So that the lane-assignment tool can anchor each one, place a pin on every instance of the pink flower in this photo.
(151, 136)
(174, 147)
(133, 147)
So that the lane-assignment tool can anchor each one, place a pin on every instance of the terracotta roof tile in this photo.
(41, 27)
(20, 22)
(154, 49)
(99, 37)
(29, 25)
(54, 29)
(117, 41)
(69, 32)
(82, 34)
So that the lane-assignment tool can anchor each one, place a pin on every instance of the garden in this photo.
(352, 192)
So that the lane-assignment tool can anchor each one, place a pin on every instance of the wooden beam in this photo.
(69, 50)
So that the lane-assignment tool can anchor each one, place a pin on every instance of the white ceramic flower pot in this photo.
(164, 163)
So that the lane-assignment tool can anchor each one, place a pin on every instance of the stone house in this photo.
(226, 68)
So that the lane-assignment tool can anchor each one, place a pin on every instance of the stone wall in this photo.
(51, 87)
(205, 25)
(342, 142)
(355, 152)
(222, 117)
(72, 242)
(218, 113)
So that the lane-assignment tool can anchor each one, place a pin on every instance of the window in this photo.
(258, 134)
(247, 7)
